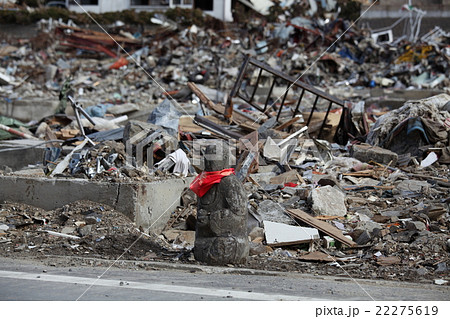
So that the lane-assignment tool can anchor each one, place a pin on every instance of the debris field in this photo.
(342, 148)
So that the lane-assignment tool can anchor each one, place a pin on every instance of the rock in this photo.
(20, 248)
(366, 153)
(364, 238)
(90, 220)
(369, 226)
(415, 225)
(328, 201)
(394, 219)
(171, 234)
(263, 178)
(363, 218)
(440, 282)
(256, 234)
(269, 188)
(257, 249)
(365, 211)
(391, 213)
(292, 202)
(404, 236)
(441, 267)
(180, 236)
(328, 180)
(413, 186)
(185, 237)
(274, 212)
(84, 231)
(422, 271)
(68, 230)
(256, 195)
(289, 190)
(4, 227)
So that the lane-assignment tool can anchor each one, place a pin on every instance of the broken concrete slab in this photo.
(123, 108)
(329, 201)
(148, 204)
(413, 186)
(369, 226)
(366, 153)
(273, 212)
(17, 154)
(278, 234)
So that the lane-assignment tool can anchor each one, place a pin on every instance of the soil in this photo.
(105, 234)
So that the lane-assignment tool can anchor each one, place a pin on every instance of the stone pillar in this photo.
(221, 232)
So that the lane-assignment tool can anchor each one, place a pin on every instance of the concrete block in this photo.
(15, 154)
(366, 153)
(29, 108)
(147, 204)
(329, 201)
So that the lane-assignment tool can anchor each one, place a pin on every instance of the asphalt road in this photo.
(28, 280)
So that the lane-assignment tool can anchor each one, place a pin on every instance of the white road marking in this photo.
(154, 287)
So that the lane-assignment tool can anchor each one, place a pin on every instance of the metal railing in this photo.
(291, 84)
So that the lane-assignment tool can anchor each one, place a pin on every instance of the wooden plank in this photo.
(324, 217)
(220, 109)
(322, 226)
(287, 177)
(318, 256)
(288, 123)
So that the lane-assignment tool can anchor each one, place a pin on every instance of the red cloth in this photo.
(204, 181)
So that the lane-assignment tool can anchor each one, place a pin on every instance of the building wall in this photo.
(103, 6)
(221, 10)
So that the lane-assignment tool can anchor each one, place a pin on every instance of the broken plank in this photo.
(288, 123)
(238, 118)
(324, 217)
(318, 256)
(322, 226)
(204, 122)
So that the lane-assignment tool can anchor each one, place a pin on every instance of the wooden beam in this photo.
(322, 226)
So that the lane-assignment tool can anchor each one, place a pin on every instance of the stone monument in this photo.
(221, 232)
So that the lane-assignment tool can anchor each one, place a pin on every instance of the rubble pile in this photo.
(331, 184)
(79, 229)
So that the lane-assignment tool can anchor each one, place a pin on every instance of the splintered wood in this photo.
(322, 226)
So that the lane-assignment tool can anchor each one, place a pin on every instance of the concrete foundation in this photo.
(17, 154)
(29, 108)
(148, 204)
